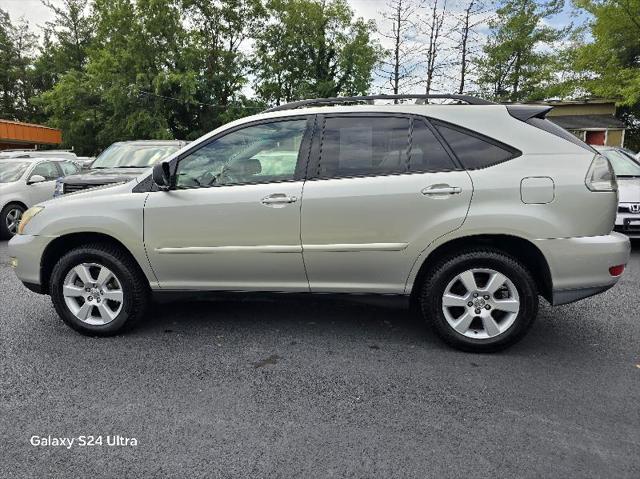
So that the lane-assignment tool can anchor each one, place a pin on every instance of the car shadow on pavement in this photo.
(557, 331)
(289, 315)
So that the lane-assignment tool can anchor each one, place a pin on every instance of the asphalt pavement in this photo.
(319, 388)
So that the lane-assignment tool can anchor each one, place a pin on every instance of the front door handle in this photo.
(440, 190)
(278, 200)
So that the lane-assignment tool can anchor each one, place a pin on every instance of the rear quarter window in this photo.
(473, 150)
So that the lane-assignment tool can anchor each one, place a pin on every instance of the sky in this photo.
(36, 13)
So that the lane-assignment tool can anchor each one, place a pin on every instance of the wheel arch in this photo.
(519, 248)
(65, 243)
(14, 202)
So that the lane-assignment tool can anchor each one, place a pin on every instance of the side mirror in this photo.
(36, 179)
(162, 176)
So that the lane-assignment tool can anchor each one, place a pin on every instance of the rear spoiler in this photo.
(526, 112)
(534, 115)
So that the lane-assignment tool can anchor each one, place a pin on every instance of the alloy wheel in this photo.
(480, 303)
(12, 220)
(93, 293)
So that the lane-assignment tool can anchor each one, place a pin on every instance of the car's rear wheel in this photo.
(10, 217)
(480, 301)
(98, 290)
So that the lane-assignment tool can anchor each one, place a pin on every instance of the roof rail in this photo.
(471, 100)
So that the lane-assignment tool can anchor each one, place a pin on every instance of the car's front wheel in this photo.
(480, 301)
(98, 290)
(10, 217)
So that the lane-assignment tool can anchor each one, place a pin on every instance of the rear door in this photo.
(380, 189)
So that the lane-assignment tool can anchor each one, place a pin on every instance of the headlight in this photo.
(28, 216)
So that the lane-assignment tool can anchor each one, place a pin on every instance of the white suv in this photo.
(472, 211)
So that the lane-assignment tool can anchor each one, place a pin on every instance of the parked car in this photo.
(627, 170)
(470, 211)
(119, 163)
(68, 155)
(25, 182)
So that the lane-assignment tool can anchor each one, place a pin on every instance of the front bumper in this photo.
(628, 224)
(580, 266)
(26, 252)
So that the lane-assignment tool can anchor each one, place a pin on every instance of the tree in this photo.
(71, 33)
(117, 95)
(473, 16)
(17, 50)
(518, 62)
(607, 66)
(219, 44)
(313, 48)
(402, 63)
(434, 23)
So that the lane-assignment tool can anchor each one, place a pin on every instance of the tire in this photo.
(488, 319)
(108, 307)
(8, 217)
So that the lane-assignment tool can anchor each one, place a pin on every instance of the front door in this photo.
(384, 189)
(43, 191)
(232, 222)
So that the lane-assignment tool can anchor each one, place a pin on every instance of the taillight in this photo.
(600, 176)
(616, 270)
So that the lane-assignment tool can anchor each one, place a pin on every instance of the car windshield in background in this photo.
(12, 170)
(133, 156)
(622, 164)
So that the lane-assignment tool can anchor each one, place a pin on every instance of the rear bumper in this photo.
(580, 266)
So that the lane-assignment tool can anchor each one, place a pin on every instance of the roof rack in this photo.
(470, 100)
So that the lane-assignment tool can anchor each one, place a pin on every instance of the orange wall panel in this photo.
(28, 133)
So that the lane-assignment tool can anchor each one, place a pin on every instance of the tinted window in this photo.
(256, 154)
(427, 153)
(46, 169)
(554, 129)
(473, 152)
(68, 168)
(356, 146)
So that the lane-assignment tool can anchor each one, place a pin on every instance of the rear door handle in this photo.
(440, 190)
(278, 199)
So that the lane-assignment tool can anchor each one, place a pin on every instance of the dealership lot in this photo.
(318, 389)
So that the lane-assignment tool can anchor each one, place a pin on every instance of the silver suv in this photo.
(470, 211)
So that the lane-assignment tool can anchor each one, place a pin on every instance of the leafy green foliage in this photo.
(17, 50)
(611, 62)
(519, 62)
(312, 48)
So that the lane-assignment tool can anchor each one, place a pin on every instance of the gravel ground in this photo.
(320, 388)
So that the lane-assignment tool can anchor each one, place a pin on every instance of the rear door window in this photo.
(364, 146)
(475, 151)
(427, 153)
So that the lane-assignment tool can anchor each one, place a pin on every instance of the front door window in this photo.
(265, 153)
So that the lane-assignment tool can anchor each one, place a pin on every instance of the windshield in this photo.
(133, 156)
(622, 164)
(12, 170)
